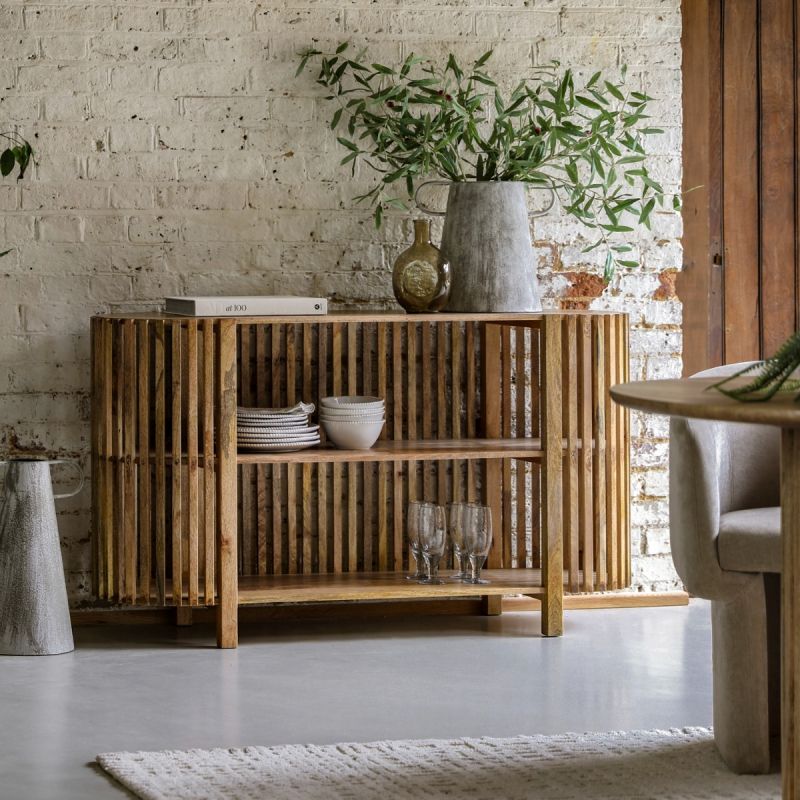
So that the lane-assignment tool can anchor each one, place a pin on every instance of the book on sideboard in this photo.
(255, 306)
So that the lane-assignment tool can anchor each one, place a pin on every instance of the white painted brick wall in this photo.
(177, 153)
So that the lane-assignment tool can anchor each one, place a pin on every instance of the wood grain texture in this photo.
(740, 199)
(305, 514)
(552, 527)
(144, 512)
(227, 582)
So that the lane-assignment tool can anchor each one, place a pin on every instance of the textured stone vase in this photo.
(487, 241)
(34, 613)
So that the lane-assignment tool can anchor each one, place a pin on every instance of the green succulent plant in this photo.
(419, 119)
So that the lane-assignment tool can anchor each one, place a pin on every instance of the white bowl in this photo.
(355, 416)
(353, 412)
(352, 403)
(353, 435)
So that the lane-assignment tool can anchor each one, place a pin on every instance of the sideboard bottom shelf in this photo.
(380, 586)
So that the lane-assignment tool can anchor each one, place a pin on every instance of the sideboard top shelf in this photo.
(363, 316)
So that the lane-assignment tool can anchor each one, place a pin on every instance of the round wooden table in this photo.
(694, 398)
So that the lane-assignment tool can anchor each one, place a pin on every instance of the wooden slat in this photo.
(383, 468)
(291, 517)
(570, 421)
(612, 444)
(626, 349)
(119, 466)
(130, 552)
(143, 448)
(264, 558)
(536, 472)
(777, 172)
(441, 408)
(352, 469)
(585, 489)
(740, 198)
(368, 500)
(412, 398)
(599, 391)
(209, 528)
(227, 584)
(292, 528)
(108, 466)
(308, 544)
(336, 372)
(470, 406)
(322, 469)
(95, 329)
(177, 469)
(398, 532)
(522, 494)
(426, 376)
(456, 356)
(160, 470)
(249, 544)
(491, 418)
(192, 421)
(552, 554)
(277, 471)
(504, 534)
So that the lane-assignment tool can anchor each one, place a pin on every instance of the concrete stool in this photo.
(34, 613)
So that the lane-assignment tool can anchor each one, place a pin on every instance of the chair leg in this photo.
(741, 678)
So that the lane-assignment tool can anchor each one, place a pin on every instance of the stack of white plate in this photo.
(276, 430)
(353, 423)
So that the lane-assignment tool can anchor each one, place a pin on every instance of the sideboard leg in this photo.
(491, 605)
(183, 616)
(227, 558)
(552, 490)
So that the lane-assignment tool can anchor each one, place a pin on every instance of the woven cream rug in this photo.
(662, 765)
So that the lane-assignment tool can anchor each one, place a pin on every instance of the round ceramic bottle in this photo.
(421, 276)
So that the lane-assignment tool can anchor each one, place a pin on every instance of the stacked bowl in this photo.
(352, 423)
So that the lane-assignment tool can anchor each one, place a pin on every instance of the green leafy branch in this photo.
(766, 378)
(16, 155)
(409, 122)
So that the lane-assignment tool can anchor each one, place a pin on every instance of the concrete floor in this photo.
(132, 688)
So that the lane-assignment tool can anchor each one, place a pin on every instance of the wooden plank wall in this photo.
(740, 283)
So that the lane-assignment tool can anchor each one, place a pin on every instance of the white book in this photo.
(258, 306)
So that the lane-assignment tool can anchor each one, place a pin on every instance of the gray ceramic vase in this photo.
(34, 613)
(487, 240)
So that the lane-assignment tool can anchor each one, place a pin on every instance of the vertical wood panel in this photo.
(160, 433)
(777, 172)
(740, 198)
(227, 582)
(570, 421)
(192, 465)
(491, 416)
(209, 528)
(599, 391)
(176, 471)
(143, 453)
(505, 393)
(552, 528)
(585, 491)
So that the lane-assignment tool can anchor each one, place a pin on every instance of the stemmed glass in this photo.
(432, 540)
(477, 521)
(413, 526)
(455, 527)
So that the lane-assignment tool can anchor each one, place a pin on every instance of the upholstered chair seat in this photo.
(726, 543)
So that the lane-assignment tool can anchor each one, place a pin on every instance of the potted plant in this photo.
(16, 155)
(585, 146)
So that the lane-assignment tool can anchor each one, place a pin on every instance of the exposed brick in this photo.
(164, 131)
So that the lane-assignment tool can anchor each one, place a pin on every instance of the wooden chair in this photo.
(726, 544)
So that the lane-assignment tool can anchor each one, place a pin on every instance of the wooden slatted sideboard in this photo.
(512, 409)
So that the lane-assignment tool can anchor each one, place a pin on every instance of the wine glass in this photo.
(477, 539)
(413, 525)
(455, 527)
(432, 540)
